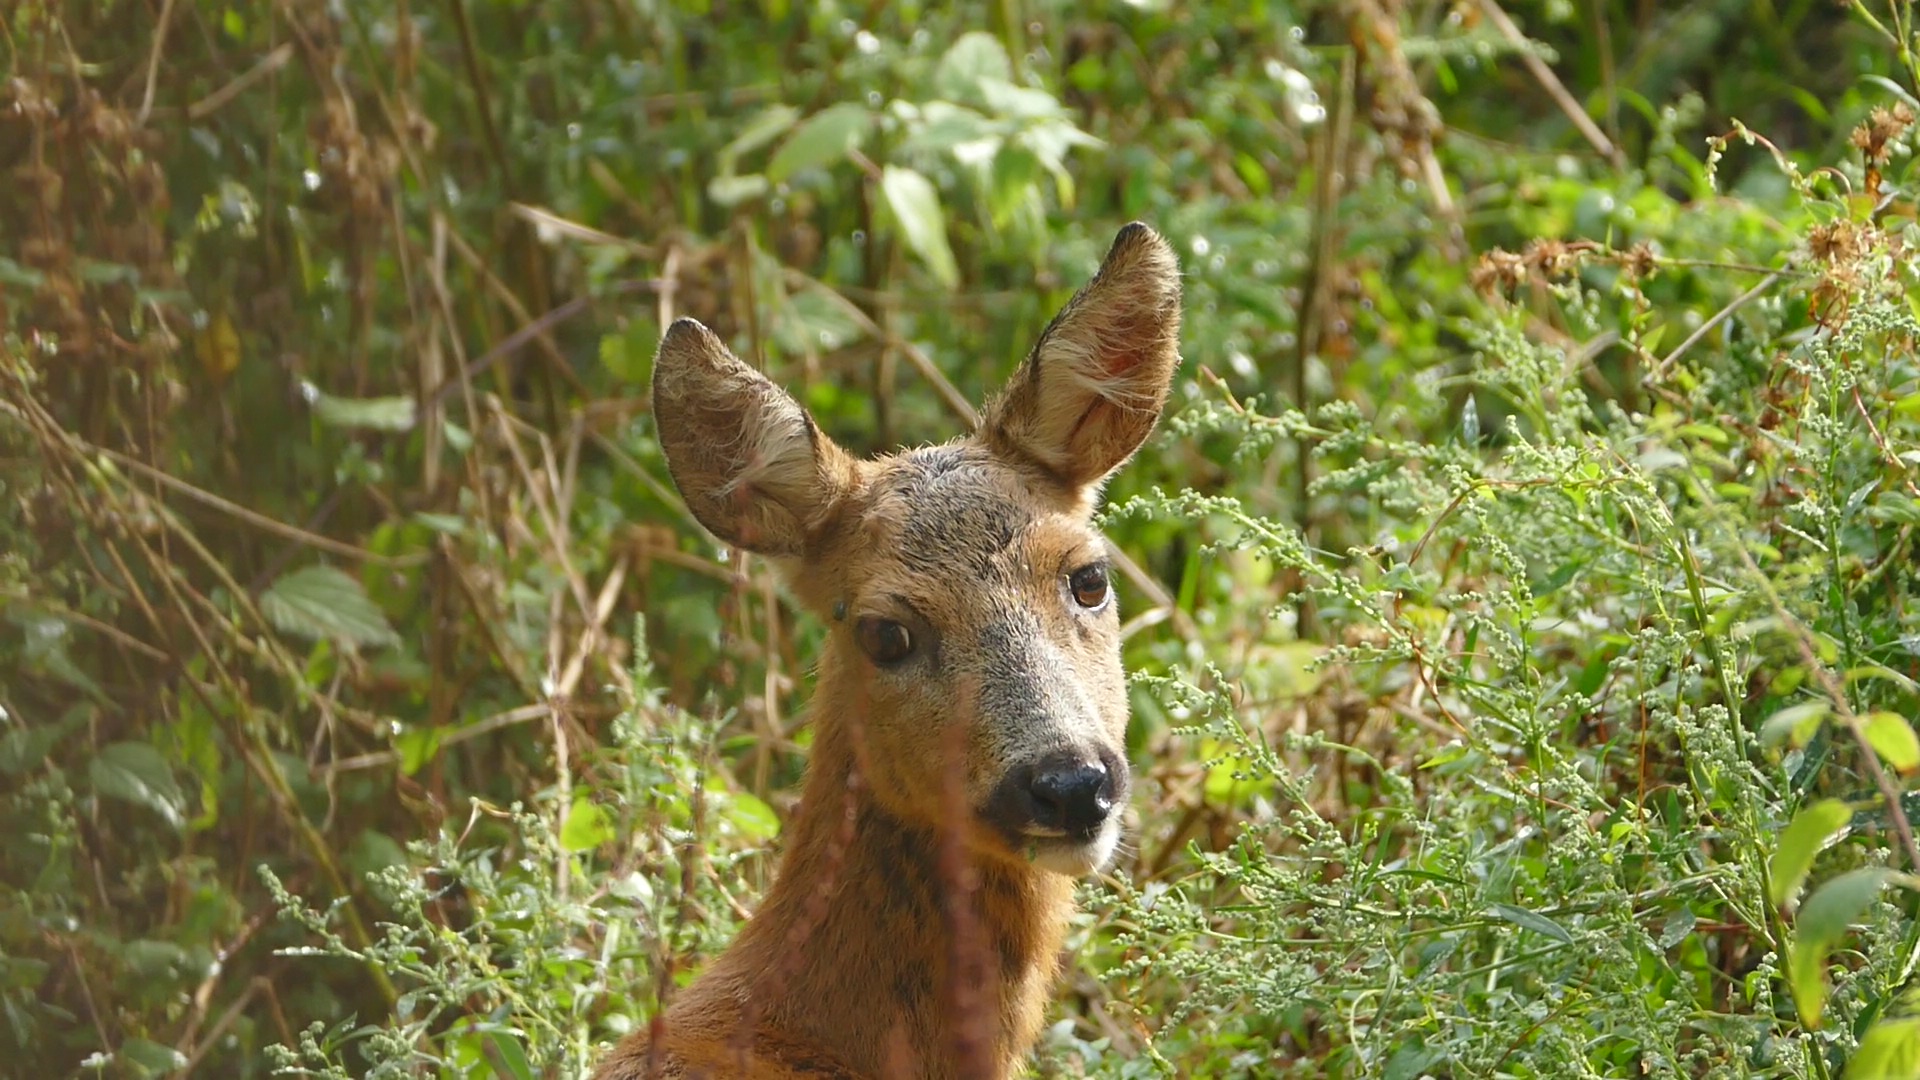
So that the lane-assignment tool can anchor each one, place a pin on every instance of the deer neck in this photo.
(854, 948)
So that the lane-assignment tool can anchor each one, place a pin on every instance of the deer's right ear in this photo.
(748, 459)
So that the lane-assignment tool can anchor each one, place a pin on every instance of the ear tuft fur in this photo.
(752, 465)
(1094, 386)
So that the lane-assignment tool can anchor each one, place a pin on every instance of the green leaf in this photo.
(975, 56)
(761, 130)
(1892, 738)
(1812, 829)
(586, 826)
(509, 1057)
(730, 191)
(319, 603)
(1530, 920)
(135, 772)
(1889, 1051)
(380, 414)
(1835, 905)
(1807, 974)
(944, 126)
(752, 816)
(1800, 721)
(823, 140)
(916, 206)
(150, 1058)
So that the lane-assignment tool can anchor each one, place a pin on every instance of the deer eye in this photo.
(884, 641)
(1089, 585)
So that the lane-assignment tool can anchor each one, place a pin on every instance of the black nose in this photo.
(1071, 793)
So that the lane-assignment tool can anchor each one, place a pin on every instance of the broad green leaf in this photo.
(1837, 903)
(1892, 738)
(975, 56)
(1530, 920)
(944, 126)
(1800, 721)
(752, 816)
(319, 603)
(761, 130)
(823, 139)
(1019, 102)
(150, 1058)
(1807, 974)
(1812, 829)
(380, 414)
(733, 190)
(586, 826)
(916, 206)
(509, 1056)
(1889, 1051)
(135, 772)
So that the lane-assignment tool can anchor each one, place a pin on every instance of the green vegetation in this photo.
(1527, 622)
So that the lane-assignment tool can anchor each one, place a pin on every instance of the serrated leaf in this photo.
(824, 139)
(319, 603)
(1889, 1051)
(916, 206)
(1811, 830)
(975, 56)
(1892, 738)
(1530, 920)
(395, 413)
(135, 772)
(586, 826)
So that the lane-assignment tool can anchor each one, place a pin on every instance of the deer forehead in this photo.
(956, 526)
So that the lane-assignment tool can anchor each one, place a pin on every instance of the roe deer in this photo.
(970, 620)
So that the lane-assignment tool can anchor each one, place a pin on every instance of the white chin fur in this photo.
(1078, 860)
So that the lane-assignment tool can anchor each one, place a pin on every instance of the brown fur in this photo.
(846, 971)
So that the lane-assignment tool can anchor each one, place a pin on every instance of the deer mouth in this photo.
(1075, 853)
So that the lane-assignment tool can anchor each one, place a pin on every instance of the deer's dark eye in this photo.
(1089, 585)
(884, 641)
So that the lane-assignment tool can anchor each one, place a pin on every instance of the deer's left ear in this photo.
(1094, 386)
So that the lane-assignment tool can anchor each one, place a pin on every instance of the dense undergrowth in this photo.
(1524, 615)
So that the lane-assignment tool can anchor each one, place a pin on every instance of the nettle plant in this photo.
(1637, 669)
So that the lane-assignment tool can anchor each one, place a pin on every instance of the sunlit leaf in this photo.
(395, 413)
(1890, 1050)
(1893, 739)
(586, 827)
(765, 127)
(1812, 829)
(729, 191)
(824, 139)
(974, 56)
(916, 206)
(1799, 721)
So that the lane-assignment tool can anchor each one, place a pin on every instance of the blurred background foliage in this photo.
(1522, 591)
